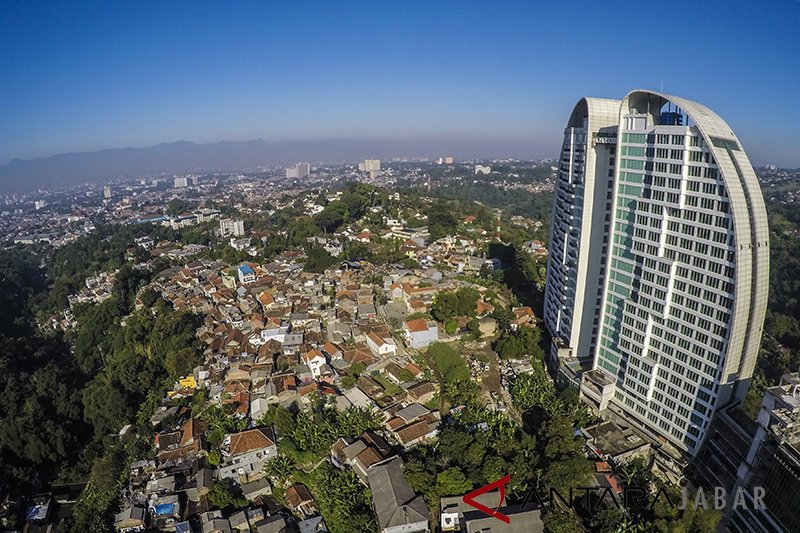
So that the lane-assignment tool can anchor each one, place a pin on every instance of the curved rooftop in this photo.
(748, 211)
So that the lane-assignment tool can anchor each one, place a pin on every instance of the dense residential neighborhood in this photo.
(255, 354)
(335, 352)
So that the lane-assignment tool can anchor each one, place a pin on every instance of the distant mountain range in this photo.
(183, 156)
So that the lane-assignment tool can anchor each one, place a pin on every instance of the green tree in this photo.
(354, 421)
(452, 482)
(128, 281)
(565, 464)
(666, 518)
(224, 493)
(149, 297)
(519, 344)
(345, 504)
(95, 335)
(332, 216)
(280, 468)
(450, 304)
(106, 406)
(474, 327)
(318, 260)
(95, 508)
(177, 206)
(607, 519)
(535, 390)
(560, 522)
(441, 220)
(357, 368)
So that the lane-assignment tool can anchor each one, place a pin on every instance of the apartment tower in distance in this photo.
(672, 260)
(300, 170)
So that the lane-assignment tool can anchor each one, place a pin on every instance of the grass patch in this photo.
(392, 388)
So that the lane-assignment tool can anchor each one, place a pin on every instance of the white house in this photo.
(245, 455)
(258, 408)
(420, 333)
(380, 346)
(314, 359)
(269, 333)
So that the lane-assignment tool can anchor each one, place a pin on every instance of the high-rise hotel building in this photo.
(581, 221)
(671, 258)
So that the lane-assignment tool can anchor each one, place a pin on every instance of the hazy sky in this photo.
(79, 76)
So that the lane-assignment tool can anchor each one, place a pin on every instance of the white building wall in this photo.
(576, 258)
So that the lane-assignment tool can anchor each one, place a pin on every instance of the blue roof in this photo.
(37, 512)
(244, 269)
(165, 509)
(151, 219)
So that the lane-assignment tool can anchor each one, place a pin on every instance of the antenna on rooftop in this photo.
(662, 85)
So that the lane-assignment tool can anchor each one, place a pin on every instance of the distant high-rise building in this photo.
(231, 227)
(483, 169)
(39, 204)
(659, 262)
(445, 160)
(373, 166)
(300, 170)
(369, 165)
(181, 181)
(107, 192)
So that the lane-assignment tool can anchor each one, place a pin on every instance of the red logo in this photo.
(469, 499)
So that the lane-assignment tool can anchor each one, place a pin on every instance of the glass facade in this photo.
(671, 275)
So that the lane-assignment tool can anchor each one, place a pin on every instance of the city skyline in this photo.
(86, 78)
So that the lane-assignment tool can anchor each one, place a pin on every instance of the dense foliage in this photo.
(520, 343)
(59, 406)
(476, 448)
(344, 502)
(318, 260)
(780, 343)
(450, 304)
(41, 422)
(351, 206)
(307, 436)
(102, 250)
(513, 201)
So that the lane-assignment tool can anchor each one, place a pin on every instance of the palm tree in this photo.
(629, 526)
(280, 468)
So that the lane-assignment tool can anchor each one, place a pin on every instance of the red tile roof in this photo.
(311, 355)
(266, 299)
(247, 441)
(416, 325)
(413, 431)
(297, 495)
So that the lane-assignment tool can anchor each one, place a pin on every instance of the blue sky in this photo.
(79, 76)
